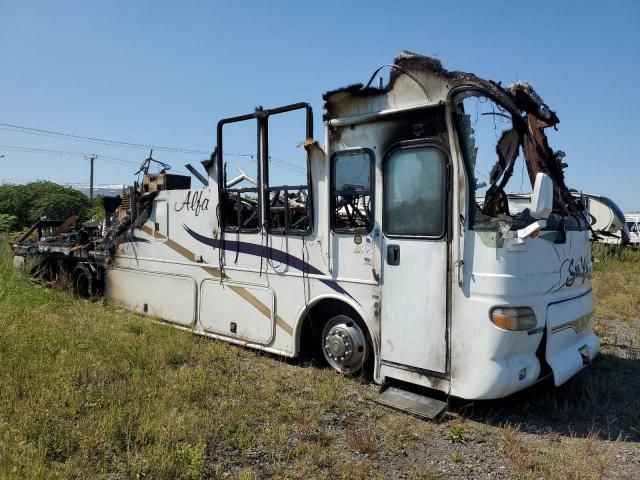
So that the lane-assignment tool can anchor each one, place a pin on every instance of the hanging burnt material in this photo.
(539, 156)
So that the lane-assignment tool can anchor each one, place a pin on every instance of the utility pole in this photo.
(91, 159)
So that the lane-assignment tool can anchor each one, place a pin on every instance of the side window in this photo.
(240, 203)
(352, 183)
(415, 193)
(287, 190)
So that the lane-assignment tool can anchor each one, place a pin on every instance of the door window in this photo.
(415, 193)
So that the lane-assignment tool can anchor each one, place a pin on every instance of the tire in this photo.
(83, 283)
(346, 345)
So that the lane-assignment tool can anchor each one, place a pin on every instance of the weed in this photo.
(362, 439)
(247, 474)
(456, 433)
(456, 457)
(175, 358)
(53, 437)
(421, 474)
(355, 470)
(190, 460)
(135, 328)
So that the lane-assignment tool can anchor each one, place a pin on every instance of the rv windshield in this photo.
(491, 144)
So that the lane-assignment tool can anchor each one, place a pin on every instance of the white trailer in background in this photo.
(633, 226)
(607, 220)
(382, 260)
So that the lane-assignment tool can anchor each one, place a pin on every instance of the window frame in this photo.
(469, 170)
(332, 189)
(261, 116)
(446, 184)
(222, 186)
(267, 187)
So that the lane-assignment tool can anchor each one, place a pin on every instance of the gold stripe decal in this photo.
(215, 272)
(578, 325)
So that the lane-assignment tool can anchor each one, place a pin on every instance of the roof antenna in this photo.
(380, 82)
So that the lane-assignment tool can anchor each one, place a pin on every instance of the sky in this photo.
(164, 72)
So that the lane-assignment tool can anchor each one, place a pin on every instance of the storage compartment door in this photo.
(245, 312)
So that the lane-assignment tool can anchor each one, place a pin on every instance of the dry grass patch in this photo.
(555, 457)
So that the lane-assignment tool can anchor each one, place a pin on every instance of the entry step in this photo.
(412, 403)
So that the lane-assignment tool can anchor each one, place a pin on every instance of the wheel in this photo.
(345, 345)
(83, 282)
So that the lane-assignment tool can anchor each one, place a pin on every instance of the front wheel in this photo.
(345, 345)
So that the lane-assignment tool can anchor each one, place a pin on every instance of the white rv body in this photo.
(425, 291)
(632, 221)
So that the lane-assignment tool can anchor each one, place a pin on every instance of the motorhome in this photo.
(633, 225)
(381, 259)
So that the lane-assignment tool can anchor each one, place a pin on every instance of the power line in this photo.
(278, 162)
(104, 158)
(48, 151)
(50, 133)
(103, 141)
(119, 161)
(42, 150)
(53, 134)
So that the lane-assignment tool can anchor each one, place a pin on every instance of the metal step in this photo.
(413, 403)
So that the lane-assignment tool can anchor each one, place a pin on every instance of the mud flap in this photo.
(413, 403)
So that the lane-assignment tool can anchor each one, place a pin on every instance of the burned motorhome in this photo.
(431, 240)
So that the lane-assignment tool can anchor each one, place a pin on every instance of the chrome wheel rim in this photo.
(344, 345)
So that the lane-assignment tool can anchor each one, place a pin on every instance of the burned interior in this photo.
(501, 133)
(288, 206)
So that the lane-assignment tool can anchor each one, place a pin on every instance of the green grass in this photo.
(613, 258)
(616, 285)
(91, 391)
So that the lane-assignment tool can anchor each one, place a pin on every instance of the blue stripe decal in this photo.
(266, 252)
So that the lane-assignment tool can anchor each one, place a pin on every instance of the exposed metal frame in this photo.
(262, 117)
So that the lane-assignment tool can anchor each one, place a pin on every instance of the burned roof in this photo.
(436, 82)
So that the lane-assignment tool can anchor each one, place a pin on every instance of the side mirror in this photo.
(542, 198)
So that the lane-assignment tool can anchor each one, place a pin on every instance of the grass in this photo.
(556, 458)
(616, 288)
(90, 391)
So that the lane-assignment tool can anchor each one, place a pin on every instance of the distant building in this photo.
(99, 190)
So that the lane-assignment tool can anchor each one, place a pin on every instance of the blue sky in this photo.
(163, 73)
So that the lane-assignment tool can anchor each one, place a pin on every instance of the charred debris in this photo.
(79, 252)
(82, 251)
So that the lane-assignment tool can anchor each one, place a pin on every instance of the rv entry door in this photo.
(414, 276)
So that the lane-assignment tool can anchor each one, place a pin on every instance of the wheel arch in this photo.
(324, 301)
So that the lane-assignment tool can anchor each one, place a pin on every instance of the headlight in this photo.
(513, 318)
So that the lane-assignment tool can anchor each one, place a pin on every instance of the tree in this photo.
(95, 210)
(8, 223)
(32, 201)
